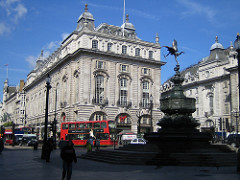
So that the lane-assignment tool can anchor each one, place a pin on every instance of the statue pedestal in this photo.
(172, 141)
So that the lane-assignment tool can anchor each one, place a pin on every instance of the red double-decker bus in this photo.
(80, 132)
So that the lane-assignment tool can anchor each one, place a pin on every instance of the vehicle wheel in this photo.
(233, 144)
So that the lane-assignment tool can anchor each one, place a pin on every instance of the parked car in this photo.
(29, 139)
(18, 138)
(138, 141)
(233, 140)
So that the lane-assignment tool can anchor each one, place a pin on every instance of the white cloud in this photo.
(51, 46)
(47, 51)
(15, 10)
(64, 35)
(31, 61)
(4, 29)
(20, 12)
(194, 8)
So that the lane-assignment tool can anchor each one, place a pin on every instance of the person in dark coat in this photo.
(68, 155)
(48, 148)
(1, 145)
(97, 143)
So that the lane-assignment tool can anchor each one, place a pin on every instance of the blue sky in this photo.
(29, 26)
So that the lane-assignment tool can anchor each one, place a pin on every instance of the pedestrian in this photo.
(89, 144)
(1, 145)
(68, 155)
(97, 144)
(48, 149)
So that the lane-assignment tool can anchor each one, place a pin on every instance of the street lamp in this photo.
(235, 113)
(48, 86)
(139, 114)
(237, 47)
(151, 107)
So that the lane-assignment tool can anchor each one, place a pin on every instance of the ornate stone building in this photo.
(103, 72)
(13, 106)
(213, 83)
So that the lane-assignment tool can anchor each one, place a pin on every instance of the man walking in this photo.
(68, 155)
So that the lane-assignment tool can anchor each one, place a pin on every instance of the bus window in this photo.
(103, 125)
(97, 125)
(111, 124)
(89, 125)
(65, 126)
(104, 136)
(82, 125)
(71, 126)
(78, 136)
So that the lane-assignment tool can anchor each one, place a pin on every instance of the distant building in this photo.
(98, 73)
(13, 105)
(213, 83)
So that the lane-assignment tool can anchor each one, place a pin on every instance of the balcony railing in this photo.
(102, 102)
(63, 104)
(124, 103)
(145, 105)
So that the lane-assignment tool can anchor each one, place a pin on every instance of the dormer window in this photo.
(150, 54)
(137, 52)
(124, 49)
(95, 44)
(109, 46)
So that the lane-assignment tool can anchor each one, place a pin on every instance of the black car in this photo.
(233, 140)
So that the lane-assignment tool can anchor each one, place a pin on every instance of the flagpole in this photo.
(124, 4)
(123, 11)
(7, 70)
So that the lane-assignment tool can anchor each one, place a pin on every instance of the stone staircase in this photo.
(220, 158)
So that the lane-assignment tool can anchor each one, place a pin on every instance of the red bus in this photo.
(80, 132)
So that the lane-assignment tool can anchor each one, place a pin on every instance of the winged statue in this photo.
(173, 50)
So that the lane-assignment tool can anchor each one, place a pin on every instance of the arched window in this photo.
(123, 119)
(76, 83)
(64, 91)
(99, 89)
(98, 116)
(211, 103)
(137, 52)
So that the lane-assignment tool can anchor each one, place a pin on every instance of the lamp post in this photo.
(48, 86)
(235, 113)
(139, 114)
(237, 47)
(151, 107)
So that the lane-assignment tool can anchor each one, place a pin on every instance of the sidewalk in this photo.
(25, 164)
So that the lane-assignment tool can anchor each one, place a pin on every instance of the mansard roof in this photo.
(217, 53)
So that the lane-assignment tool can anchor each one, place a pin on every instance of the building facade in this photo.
(97, 73)
(13, 106)
(213, 83)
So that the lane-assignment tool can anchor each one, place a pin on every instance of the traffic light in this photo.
(220, 123)
(51, 126)
(2, 131)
